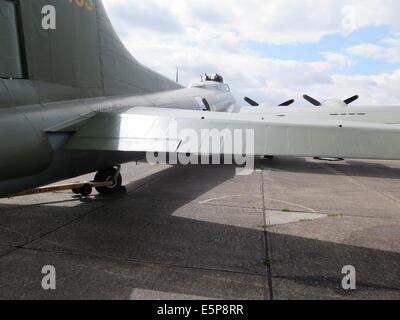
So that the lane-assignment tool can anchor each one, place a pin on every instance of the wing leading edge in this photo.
(183, 131)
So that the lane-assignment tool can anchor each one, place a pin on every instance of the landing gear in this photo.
(107, 175)
(84, 190)
(269, 157)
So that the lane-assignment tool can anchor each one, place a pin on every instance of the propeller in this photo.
(287, 103)
(251, 102)
(313, 101)
(256, 104)
(351, 100)
(316, 103)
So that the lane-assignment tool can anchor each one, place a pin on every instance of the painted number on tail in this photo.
(86, 4)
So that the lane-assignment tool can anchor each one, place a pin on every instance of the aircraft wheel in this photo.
(76, 191)
(109, 175)
(86, 190)
(269, 157)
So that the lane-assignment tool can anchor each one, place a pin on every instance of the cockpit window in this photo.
(214, 82)
(215, 78)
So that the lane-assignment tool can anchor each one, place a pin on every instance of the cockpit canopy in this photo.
(215, 77)
(212, 82)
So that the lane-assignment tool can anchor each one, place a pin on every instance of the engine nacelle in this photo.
(334, 103)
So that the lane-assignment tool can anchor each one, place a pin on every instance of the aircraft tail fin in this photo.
(78, 50)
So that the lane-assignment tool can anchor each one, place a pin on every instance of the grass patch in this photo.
(268, 261)
(335, 215)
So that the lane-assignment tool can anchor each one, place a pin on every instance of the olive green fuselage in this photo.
(52, 76)
(31, 156)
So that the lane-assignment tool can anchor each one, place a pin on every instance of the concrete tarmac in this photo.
(201, 232)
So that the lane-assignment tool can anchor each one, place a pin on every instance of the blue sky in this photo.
(332, 43)
(270, 50)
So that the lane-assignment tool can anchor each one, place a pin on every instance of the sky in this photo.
(270, 50)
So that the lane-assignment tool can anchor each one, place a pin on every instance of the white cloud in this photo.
(367, 50)
(376, 89)
(209, 35)
(374, 51)
(337, 60)
(362, 13)
(277, 21)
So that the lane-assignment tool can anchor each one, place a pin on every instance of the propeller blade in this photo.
(287, 103)
(313, 101)
(251, 102)
(351, 100)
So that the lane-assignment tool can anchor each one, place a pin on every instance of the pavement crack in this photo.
(355, 181)
(143, 262)
(333, 283)
(268, 253)
(71, 222)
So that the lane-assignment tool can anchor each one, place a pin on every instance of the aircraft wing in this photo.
(168, 130)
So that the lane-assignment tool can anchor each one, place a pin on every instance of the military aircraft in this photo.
(330, 109)
(73, 101)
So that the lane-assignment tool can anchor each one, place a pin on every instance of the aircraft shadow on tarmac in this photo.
(353, 167)
(152, 240)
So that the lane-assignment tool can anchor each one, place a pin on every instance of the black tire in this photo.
(86, 190)
(76, 191)
(108, 175)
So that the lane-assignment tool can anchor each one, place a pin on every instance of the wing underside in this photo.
(205, 133)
